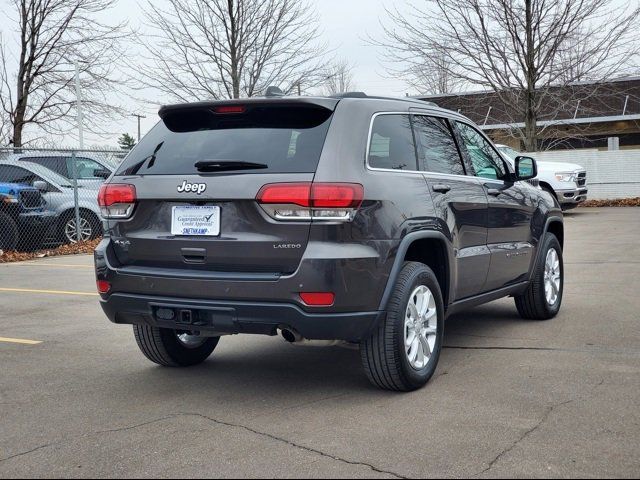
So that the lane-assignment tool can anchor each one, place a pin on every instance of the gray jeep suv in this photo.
(353, 218)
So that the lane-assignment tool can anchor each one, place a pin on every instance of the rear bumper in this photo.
(218, 317)
(236, 302)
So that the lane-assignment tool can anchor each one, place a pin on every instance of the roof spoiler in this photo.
(188, 117)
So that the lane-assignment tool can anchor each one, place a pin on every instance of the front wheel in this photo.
(403, 351)
(543, 297)
(173, 348)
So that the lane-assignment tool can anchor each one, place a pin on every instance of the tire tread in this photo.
(10, 231)
(532, 304)
(150, 343)
(382, 362)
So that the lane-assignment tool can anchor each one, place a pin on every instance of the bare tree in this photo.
(37, 80)
(429, 71)
(339, 78)
(217, 49)
(521, 49)
(434, 74)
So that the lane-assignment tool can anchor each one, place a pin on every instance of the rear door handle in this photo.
(441, 188)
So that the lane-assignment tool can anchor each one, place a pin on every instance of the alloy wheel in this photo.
(420, 327)
(552, 277)
(190, 341)
(70, 231)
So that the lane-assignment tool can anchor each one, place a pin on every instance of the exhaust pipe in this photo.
(290, 336)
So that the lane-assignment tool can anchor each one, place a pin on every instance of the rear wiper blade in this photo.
(227, 165)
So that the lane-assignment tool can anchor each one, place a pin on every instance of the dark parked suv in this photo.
(24, 219)
(361, 219)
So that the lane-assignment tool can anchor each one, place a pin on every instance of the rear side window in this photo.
(57, 164)
(436, 146)
(281, 139)
(85, 168)
(392, 146)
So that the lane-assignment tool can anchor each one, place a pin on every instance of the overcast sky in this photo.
(345, 25)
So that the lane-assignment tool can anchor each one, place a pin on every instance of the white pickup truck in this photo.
(565, 181)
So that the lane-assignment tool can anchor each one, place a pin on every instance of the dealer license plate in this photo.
(195, 221)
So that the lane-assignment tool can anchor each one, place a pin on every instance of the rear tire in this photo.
(162, 346)
(389, 359)
(8, 232)
(542, 300)
(91, 227)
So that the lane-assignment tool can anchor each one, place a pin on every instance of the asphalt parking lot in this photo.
(511, 398)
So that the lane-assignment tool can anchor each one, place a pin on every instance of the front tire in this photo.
(8, 232)
(403, 352)
(543, 297)
(173, 348)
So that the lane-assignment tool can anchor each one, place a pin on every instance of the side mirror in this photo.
(526, 168)
(101, 173)
(40, 185)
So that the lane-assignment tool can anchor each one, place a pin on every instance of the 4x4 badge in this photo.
(187, 187)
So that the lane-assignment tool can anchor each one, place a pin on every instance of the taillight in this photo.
(286, 194)
(306, 200)
(117, 200)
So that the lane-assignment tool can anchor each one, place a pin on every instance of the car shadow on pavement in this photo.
(265, 367)
(498, 320)
(253, 365)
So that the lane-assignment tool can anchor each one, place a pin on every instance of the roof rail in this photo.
(350, 95)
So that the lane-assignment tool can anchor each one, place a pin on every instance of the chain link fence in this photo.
(49, 197)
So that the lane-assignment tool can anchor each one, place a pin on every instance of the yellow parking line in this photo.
(54, 292)
(20, 341)
(64, 265)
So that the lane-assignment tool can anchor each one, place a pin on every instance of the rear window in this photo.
(392, 146)
(284, 139)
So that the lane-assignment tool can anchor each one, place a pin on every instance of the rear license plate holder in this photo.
(192, 220)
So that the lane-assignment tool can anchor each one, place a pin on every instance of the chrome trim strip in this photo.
(452, 176)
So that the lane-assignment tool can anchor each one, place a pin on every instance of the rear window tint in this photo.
(285, 139)
(392, 145)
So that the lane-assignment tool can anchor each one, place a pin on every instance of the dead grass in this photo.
(622, 202)
(71, 249)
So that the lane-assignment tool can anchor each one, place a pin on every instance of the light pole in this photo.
(138, 116)
(79, 107)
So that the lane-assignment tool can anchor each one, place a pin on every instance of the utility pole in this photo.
(138, 116)
(79, 107)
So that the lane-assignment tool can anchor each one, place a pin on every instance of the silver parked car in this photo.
(89, 170)
(59, 195)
